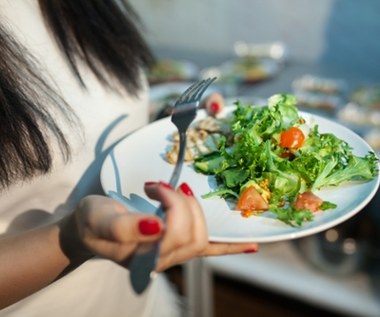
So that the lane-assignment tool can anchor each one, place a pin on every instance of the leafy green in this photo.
(253, 154)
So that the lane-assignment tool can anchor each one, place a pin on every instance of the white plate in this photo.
(140, 158)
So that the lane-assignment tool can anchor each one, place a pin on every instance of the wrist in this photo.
(70, 242)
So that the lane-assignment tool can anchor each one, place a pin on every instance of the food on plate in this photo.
(269, 159)
(198, 142)
(201, 139)
(328, 103)
(328, 86)
(372, 137)
(249, 69)
(319, 93)
(367, 96)
(171, 70)
(363, 109)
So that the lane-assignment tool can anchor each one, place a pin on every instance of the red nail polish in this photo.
(149, 227)
(166, 185)
(149, 183)
(250, 251)
(214, 107)
(186, 189)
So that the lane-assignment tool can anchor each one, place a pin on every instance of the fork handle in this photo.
(142, 266)
(178, 166)
(143, 263)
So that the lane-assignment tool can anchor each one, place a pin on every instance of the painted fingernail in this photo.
(149, 227)
(186, 189)
(214, 107)
(149, 183)
(166, 185)
(250, 250)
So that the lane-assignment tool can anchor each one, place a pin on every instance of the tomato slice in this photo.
(292, 138)
(308, 200)
(250, 201)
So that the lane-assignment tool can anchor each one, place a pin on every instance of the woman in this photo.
(71, 86)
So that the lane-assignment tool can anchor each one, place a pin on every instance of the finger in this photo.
(161, 192)
(179, 218)
(215, 249)
(107, 219)
(182, 255)
(200, 231)
(170, 201)
(197, 238)
(188, 207)
(123, 234)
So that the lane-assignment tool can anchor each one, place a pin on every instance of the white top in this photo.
(99, 287)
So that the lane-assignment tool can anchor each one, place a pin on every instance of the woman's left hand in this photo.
(186, 234)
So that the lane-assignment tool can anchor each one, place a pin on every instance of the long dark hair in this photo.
(101, 35)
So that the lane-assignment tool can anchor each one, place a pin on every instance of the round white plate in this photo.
(140, 158)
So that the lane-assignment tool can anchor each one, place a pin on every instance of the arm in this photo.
(28, 262)
(31, 260)
(103, 227)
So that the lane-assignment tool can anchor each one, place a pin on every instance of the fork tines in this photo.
(195, 91)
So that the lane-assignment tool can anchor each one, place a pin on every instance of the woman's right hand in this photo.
(105, 228)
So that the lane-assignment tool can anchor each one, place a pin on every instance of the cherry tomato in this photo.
(250, 200)
(292, 138)
(308, 200)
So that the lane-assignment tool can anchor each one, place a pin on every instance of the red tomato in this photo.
(292, 138)
(308, 200)
(250, 200)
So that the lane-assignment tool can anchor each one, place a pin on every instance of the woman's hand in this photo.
(186, 234)
(106, 228)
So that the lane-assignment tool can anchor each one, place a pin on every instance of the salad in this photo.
(271, 160)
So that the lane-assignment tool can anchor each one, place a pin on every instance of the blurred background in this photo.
(327, 53)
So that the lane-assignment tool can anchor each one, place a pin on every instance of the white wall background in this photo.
(311, 29)
(215, 25)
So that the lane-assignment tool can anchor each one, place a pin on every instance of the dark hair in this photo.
(99, 34)
(103, 35)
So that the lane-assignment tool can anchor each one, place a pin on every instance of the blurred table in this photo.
(292, 70)
(280, 268)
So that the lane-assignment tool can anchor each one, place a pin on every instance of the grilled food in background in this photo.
(319, 93)
(172, 70)
(362, 114)
(204, 136)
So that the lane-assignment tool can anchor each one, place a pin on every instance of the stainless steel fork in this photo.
(143, 263)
